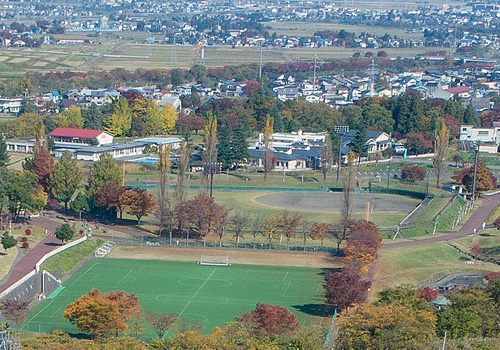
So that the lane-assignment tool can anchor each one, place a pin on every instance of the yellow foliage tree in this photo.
(154, 116)
(120, 121)
(274, 226)
(70, 118)
(169, 116)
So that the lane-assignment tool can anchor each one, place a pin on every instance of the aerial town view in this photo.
(249, 175)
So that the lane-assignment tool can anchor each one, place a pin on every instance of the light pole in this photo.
(340, 130)
(476, 150)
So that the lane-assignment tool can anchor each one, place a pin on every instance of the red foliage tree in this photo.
(412, 173)
(109, 196)
(452, 123)
(43, 166)
(476, 249)
(419, 142)
(27, 232)
(363, 241)
(485, 180)
(428, 294)
(496, 223)
(138, 202)
(346, 288)
(269, 319)
(487, 118)
(290, 224)
(162, 323)
(200, 213)
(252, 86)
(128, 304)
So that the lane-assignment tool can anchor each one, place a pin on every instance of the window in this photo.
(482, 133)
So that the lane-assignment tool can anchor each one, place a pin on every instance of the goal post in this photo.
(214, 260)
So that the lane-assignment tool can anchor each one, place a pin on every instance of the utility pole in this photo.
(314, 76)
(260, 65)
(340, 130)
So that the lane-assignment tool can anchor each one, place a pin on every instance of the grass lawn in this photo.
(66, 260)
(213, 295)
(415, 264)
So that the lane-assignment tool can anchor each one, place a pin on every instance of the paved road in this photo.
(27, 263)
(475, 221)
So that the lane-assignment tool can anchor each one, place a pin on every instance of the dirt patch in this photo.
(331, 201)
(235, 256)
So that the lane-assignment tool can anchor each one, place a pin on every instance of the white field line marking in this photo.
(196, 293)
(39, 312)
(286, 289)
(120, 281)
(284, 278)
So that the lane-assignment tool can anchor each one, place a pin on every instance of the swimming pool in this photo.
(144, 160)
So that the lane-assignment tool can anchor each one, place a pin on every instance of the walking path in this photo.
(475, 221)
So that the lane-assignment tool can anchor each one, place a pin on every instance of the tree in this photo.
(428, 294)
(359, 144)
(92, 117)
(120, 121)
(457, 158)
(162, 323)
(256, 228)
(95, 314)
(64, 233)
(290, 224)
(79, 204)
(43, 166)
(319, 230)
(65, 178)
(442, 139)
(165, 211)
(326, 157)
(459, 324)
(209, 156)
(138, 202)
(348, 188)
(413, 173)
(14, 311)
(25, 85)
(4, 155)
(22, 192)
(8, 241)
(182, 170)
(104, 171)
(200, 213)
(128, 304)
(419, 142)
(71, 118)
(268, 158)
(169, 117)
(345, 288)
(269, 319)
(485, 180)
(239, 221)
(274, 226)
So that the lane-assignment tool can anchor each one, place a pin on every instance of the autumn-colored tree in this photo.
(14, 311)
(200, 213)
(162, 323)
(273, 226)
(269, 319)
(413, 173)
(165, 211)
(72, 118)
(120, 121)
(138, 202)
(290, 224)
(485, 180)
(363, 241)
(104, 171)
(169, 117)
(96, 314)
(428, 294)
(43, 166)
(128, 304)
(345, 288)
(209, 155)
(268, 159)
(319, 231)
(108, 196)
(442, 139)
(182, 170)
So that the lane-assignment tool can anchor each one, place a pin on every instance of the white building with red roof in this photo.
(80, 137)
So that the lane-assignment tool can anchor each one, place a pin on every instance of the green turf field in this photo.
(211, 294)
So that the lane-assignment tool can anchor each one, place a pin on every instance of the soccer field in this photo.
(211, 294)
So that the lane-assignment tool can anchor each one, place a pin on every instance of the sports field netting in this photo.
(211, 294)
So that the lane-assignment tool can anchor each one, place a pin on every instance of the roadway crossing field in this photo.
(211, 294)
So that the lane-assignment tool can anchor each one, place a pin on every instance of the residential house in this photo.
(64, 137)
(487, 138)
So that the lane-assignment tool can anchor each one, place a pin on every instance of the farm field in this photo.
(213, 295)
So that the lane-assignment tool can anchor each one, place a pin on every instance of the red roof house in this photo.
(75, 136)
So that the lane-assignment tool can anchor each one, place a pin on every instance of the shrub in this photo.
(412, 173)
(428, 293)
(26, 245)
(80, 232)
(496, 223)
(476, 249)
(27, 231)
(24, 239)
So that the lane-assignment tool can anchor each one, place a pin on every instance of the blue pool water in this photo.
(144, 160)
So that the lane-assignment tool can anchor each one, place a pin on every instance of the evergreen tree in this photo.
(92, 117)
(470, 116)
(4, 156)
(240, 145)
(225, 152)
(105, 171)
(408, 113)
(359, 143)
